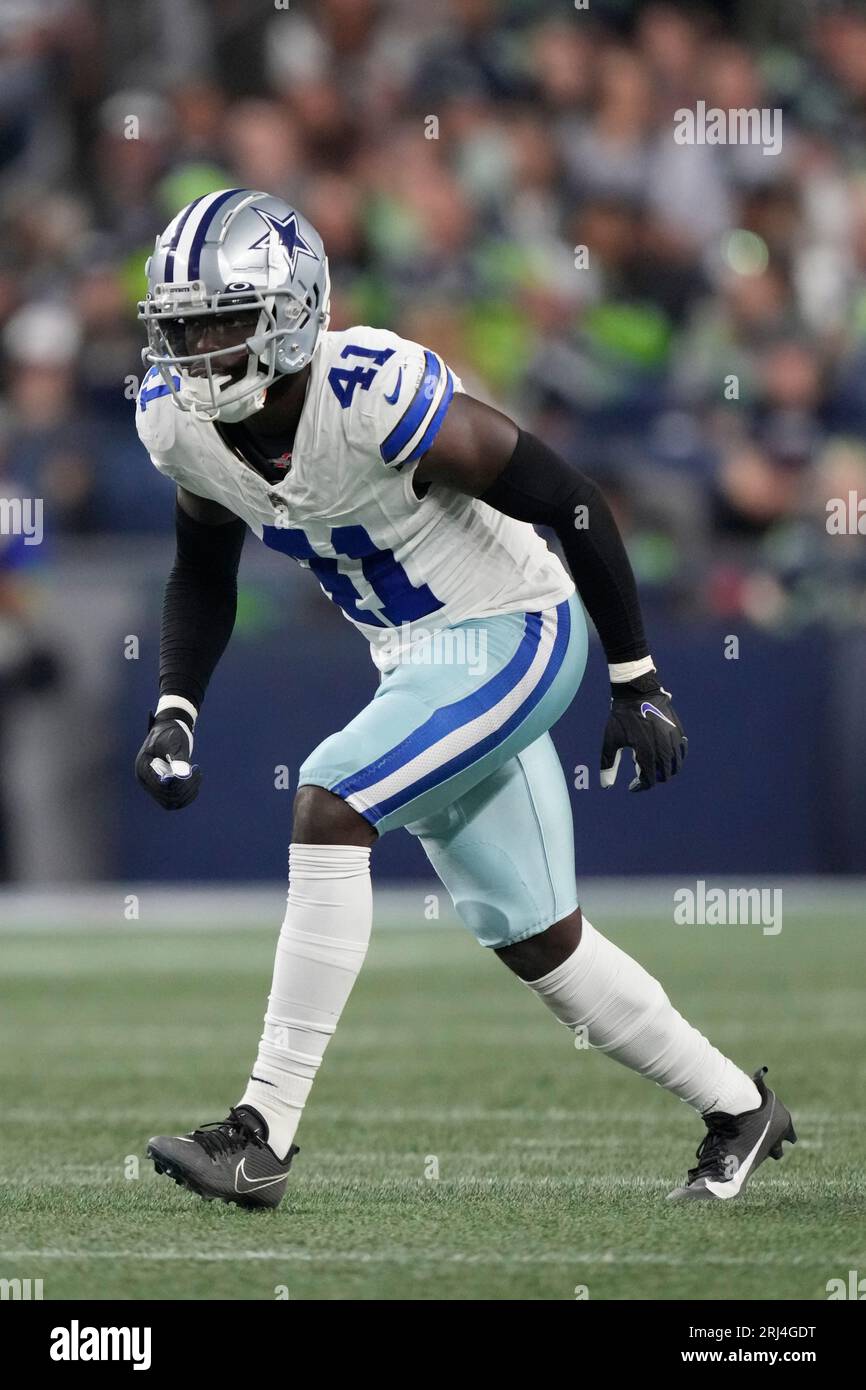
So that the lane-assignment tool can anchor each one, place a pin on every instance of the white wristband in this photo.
(630, 670)
(177, 702)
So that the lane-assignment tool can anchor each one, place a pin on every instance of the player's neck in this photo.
(283, 405)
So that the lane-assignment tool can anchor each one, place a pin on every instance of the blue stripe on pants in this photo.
(486, 745)
(450, 717)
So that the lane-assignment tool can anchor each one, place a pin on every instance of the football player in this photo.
(359, 455)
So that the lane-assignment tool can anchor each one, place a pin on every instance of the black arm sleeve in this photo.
(198, 611)
(537, 485)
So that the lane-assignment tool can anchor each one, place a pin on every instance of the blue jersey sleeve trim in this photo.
(427, 439)
(413, 416)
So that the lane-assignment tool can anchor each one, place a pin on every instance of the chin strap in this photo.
(235, 411)
(229, 411)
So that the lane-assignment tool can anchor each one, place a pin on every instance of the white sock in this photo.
(627, 1014)
(322, 945)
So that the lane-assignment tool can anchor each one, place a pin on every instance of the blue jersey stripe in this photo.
(426, 440)
(201, 231)
(444, 721)
(413, 416)
(472, 755)
(150, 393)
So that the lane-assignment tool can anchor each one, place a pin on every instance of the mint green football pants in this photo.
(455, 747)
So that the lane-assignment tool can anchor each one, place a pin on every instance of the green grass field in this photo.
(553, 1163)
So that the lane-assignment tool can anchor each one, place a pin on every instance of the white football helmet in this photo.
(238, 292)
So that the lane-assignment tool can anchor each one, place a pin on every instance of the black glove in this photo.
(643, 719)
(162, 766)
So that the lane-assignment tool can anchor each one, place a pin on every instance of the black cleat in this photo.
(734, 1145)
(229, 1160)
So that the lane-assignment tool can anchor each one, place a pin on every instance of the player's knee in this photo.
(538, 955)
(321, 818)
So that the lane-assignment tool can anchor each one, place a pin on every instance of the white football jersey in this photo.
(398, 565)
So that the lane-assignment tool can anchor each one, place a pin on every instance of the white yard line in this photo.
(218, 907)
(572, 1258)
(365, 1115)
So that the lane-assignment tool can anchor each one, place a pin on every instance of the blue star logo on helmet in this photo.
(290, 235)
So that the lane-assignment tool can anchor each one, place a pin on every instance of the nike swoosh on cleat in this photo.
(647, 706)
(733, 1185)
(392, 400)
(253, 1184)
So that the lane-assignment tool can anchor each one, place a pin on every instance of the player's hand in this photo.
(163, 764)
(643, 719)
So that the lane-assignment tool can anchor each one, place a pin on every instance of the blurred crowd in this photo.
(498, 179)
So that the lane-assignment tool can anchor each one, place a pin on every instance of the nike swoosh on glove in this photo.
(163, 764)
(643, 719)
